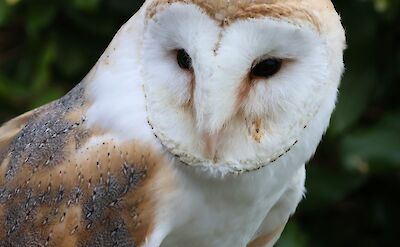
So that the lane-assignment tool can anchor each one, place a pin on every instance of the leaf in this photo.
(327, 186)
(49, 95)
(70, 60)
(5, 12)
(40, 15)
(87, 5)
(354, 96)
(43, 71)
(9, 90)
(381, 5)
(373, 149)
(292, 236)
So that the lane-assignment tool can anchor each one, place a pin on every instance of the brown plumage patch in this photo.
(226, 12)
(57, 190)
(192, 84)
(244, 91)
(99, 196)
(257, 130)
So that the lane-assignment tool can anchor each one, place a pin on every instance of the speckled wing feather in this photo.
(62, 184)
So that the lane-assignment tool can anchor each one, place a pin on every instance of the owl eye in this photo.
(184, 60)
(267, 68)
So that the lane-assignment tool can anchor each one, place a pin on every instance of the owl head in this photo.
(236, 85)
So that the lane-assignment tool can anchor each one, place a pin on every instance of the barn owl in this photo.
(193, 129)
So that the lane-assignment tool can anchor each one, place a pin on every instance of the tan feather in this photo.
(225, 11)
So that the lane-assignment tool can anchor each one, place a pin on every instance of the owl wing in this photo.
(64, 184)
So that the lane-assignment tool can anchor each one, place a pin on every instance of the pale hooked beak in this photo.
(211, 144)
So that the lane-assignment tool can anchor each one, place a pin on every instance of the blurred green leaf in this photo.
(87, 5)
(43, 70)
(9, 90)
(5, 11)
(4, 89)
(326, 186)
(376, 148)
(40, 15)
(70, 60)
(354, 97)
(46, 97)
(381, 5)
(293, 236)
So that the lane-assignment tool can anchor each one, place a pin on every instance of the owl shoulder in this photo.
(62, 184)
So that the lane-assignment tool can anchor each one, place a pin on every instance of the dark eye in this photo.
(184, 60)
(267, 68)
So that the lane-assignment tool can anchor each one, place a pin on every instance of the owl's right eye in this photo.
(183, 59)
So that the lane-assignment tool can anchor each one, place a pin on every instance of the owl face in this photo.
(231, 89)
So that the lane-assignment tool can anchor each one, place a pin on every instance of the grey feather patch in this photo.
(113, 233)
(107, 195)
(42, 140)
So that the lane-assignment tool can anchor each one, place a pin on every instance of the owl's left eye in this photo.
(183, 59)
(267, 68)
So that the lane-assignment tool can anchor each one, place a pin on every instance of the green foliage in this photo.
(353, 183)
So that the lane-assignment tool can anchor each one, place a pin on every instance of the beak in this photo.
(211, 144)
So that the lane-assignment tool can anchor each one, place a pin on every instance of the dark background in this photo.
(353, 183)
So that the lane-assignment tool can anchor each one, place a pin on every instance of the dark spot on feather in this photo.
(107, 194)
(113, 232)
